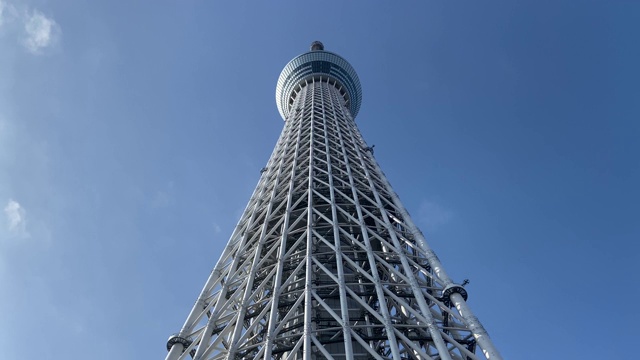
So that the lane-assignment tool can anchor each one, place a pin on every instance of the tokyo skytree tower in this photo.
(325, 262)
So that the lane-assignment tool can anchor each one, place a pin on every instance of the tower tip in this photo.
(317, 46)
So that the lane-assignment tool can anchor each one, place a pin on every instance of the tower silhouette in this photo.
(325, 262)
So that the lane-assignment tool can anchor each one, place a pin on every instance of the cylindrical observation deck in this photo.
(318, 62)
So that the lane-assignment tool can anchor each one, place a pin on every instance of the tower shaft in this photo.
(325, 262)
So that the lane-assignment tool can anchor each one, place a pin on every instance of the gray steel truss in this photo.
(325, 262)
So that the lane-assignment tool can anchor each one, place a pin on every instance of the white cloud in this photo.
(432, 215)
(16, 219)
(41, 32)
(36, 31)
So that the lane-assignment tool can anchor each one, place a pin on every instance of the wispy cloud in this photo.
(16, 218)
(432, 215)
(3, 7)
(7, 12)
(163, 197)
(160, 200)
(41, 32)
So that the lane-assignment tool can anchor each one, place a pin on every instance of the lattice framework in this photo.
(325, 262)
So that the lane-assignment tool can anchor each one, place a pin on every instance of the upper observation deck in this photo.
(318, 63)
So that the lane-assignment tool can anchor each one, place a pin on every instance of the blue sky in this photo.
(132, 135)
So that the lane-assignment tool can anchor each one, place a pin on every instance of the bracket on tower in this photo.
(175, 339)
(450, 290)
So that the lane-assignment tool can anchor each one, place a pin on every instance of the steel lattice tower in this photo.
(325, 262)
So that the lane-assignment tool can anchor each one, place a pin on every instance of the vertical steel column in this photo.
(247, 292)
(199, 307)
(426, 313)
(344, 306)
(283, 249)
(479, 332)
(393, 344)
(308, 283)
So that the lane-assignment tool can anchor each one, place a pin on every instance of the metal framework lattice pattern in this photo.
(325, 262)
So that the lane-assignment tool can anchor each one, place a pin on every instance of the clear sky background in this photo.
(133, 133)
